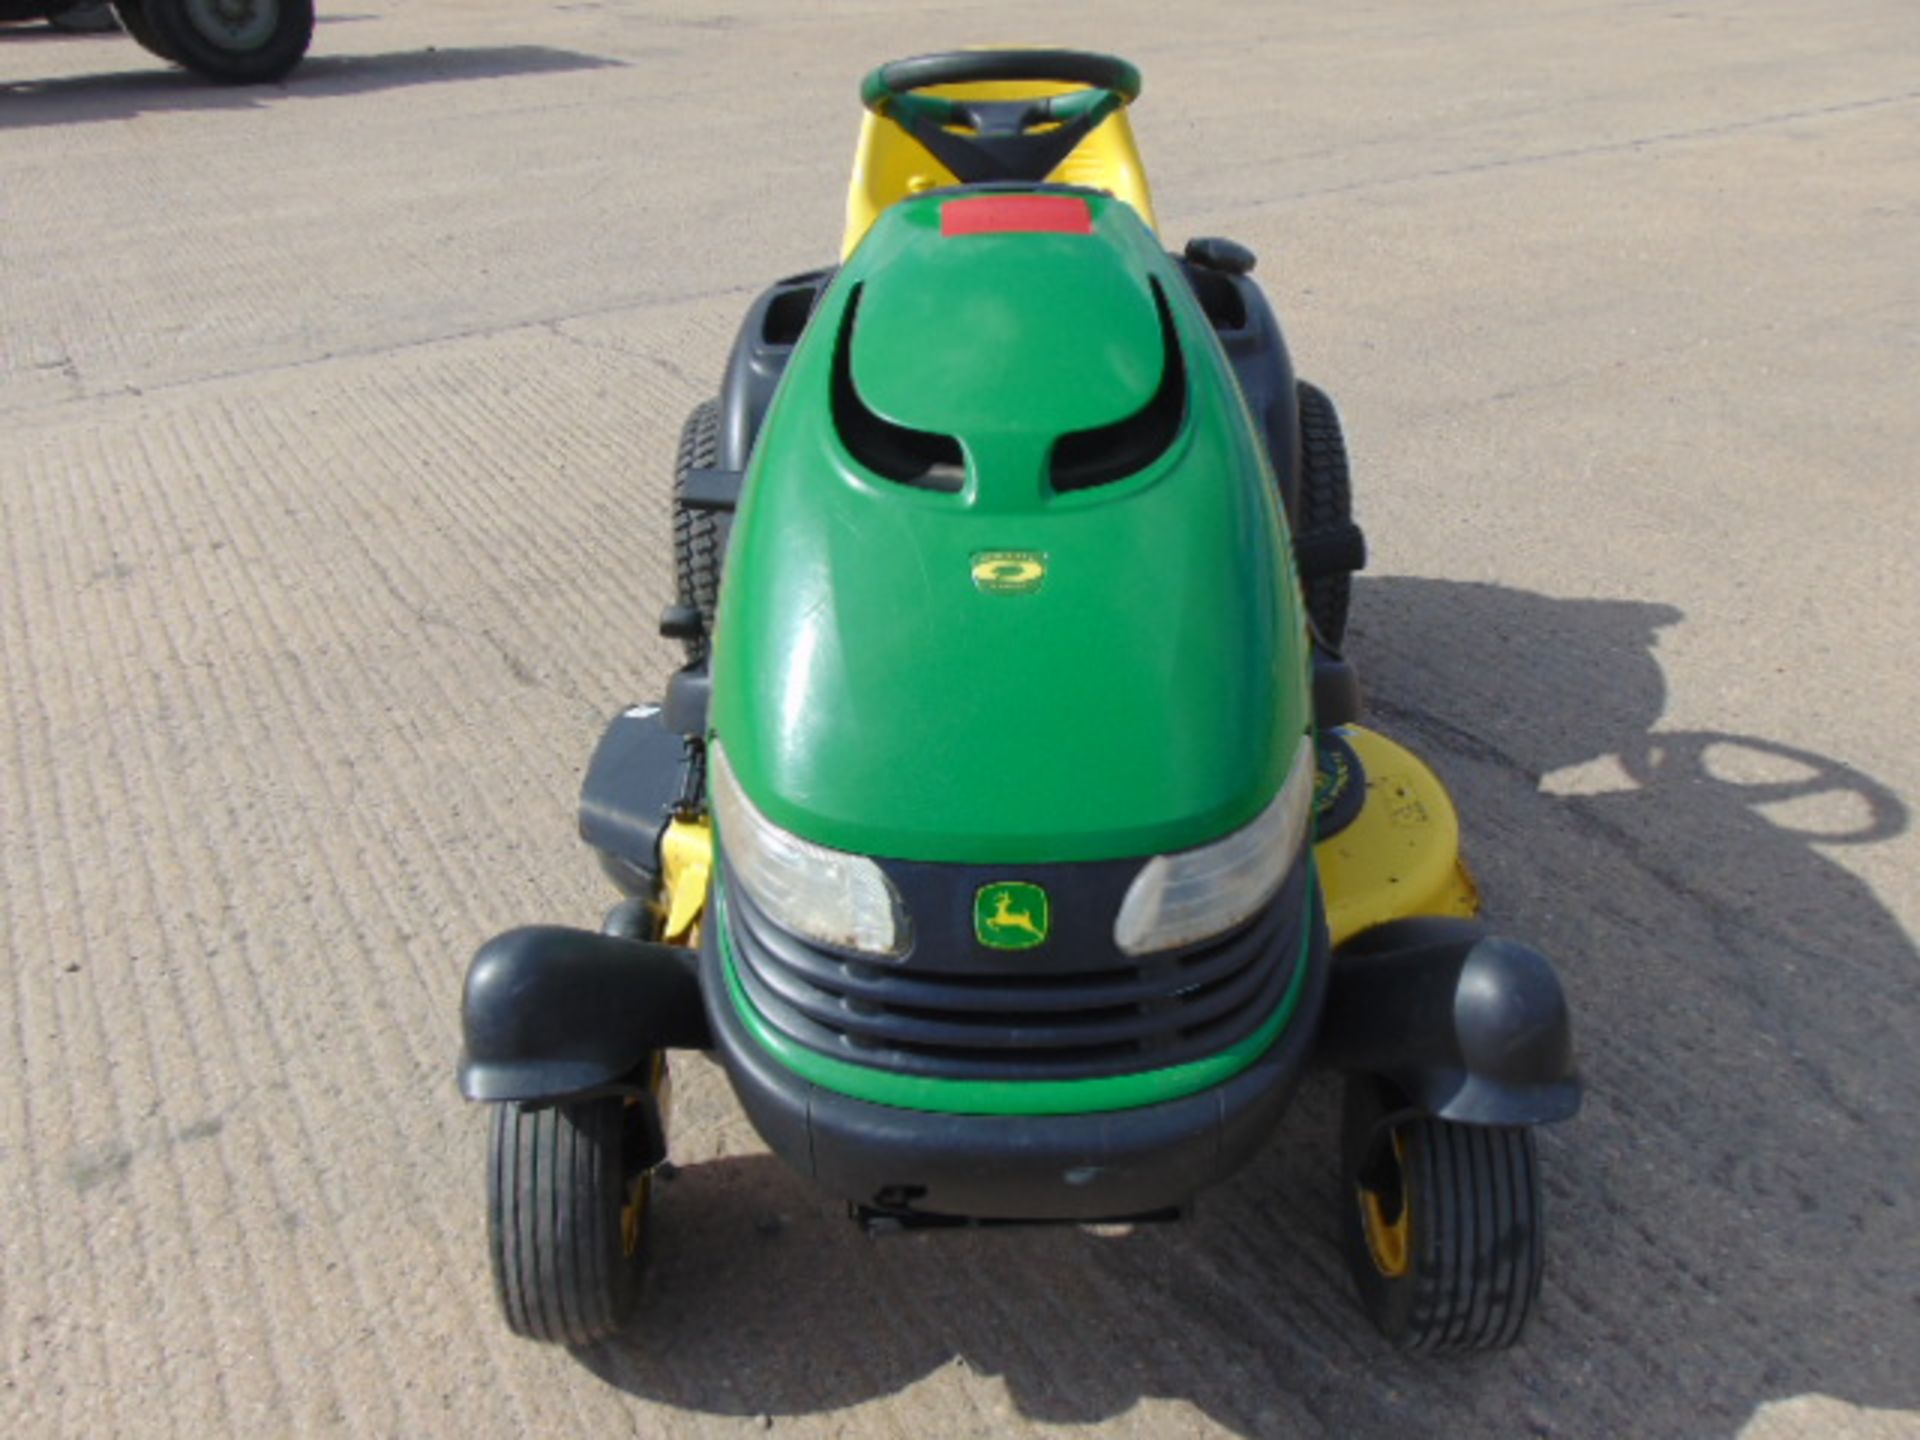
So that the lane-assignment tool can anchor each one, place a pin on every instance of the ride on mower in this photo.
(1008, 835)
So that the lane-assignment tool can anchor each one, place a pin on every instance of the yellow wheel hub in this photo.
(1389, 1242)
(633, 1215)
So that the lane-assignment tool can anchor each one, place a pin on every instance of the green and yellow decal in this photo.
(1010, 915)
(1009, 572)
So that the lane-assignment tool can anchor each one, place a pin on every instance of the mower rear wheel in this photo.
(1326, 503)
(133, 19)
(1442, 1223)
(696, 533)
(568, 1200)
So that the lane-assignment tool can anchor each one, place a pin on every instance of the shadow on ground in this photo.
(158, 87)
(1731, 1218)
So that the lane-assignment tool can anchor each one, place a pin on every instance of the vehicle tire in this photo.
(1326, 501)
(697, 550)
(1442, 1223)
(237, 42)
(88, 17)
(133, 19)
(569, 1190)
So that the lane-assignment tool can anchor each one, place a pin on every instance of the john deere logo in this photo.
(1011, 915)
(1009, 572)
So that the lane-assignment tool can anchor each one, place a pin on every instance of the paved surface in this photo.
(335, 422)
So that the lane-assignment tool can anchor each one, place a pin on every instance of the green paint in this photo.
(1009, 1097)
(1006, 341)
(1011, 915)
(876, 698)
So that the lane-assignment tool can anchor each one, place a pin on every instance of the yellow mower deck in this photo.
(1401, 855)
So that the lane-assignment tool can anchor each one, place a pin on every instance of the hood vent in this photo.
(1084, 459)
(1080, 459)
(919, 458)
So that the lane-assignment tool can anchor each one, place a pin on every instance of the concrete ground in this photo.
(335, 431)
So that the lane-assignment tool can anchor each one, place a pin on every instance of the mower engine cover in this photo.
(1010, 611)
(1009, 581)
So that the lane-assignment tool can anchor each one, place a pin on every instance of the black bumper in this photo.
(1095, 1166)
(551, 1013)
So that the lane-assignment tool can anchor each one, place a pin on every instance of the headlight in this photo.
(821, 894)
(1178, 899)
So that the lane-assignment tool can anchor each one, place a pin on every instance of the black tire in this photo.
(567, 1216)
(236, 42)
(133, 19)
(1442, 1223)
(88, 17)
(697, 552)
(1326, 502)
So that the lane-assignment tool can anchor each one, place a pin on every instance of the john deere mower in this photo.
(1008, 836)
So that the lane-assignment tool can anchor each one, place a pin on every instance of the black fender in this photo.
(759, 358)
(1469, 1026)
(551, 1013)
(1250, 333)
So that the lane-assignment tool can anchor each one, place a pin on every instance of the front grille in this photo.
(1017, 1021)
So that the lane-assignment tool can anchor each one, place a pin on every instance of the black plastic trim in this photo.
(711, 489)
(1250, 334)
(1469, 1026)
(1336, 689)
(761, 349)
(1017, 1022)
(551, 1013)
(1216, 252)
(633, 785)
(1106, 1165)
(689, 692)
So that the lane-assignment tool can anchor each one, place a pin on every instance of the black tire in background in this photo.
(1326, 501)
(133, 19)
(1442, 1223)
(237, 42)
(696, 533)
(87, 17)
(566, 1218)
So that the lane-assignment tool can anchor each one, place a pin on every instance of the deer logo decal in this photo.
(1010, 915)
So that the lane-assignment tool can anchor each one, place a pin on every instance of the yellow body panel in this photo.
(1401, 855)
(686, 871)
(890, 164)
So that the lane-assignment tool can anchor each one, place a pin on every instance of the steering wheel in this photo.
(988, 140)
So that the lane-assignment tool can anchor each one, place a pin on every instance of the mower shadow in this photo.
(1731, 1217)
(157, 87)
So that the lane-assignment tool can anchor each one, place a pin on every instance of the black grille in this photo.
(1017, 1021)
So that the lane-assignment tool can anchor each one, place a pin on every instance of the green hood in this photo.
(1010, 672)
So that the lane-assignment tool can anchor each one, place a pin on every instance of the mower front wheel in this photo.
(569, 1190)
(1442, 1223)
